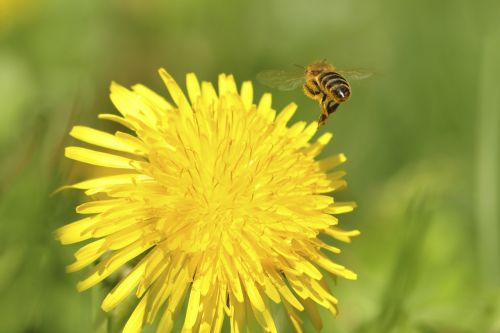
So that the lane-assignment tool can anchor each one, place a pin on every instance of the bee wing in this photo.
(358, 74)
(282, 80)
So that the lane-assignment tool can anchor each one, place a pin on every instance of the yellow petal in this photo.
(334, 268)
(341, 207)
(222, 83)
(342, 235)
(107, 181)
(174, 89)
(98, 206)
(247, 94)
(166, 322)
(320, 289)
(156, 101)
(113, 262)
(336, 175)
(157, 264)
(135, 322)
(231, 84)
(86, 255)
(264, 108)
(75, 232)
(264, 318)
(236, 290)
(254, 294)
(98, 158)
(285, 115)
(285, 291)
(325, 138)
(331, 162)
(193, 87)
(117, 119)
(294, 318)
(317, 147)
(306, 267)
(238, 315)
(102, 139)
(271, 290)
(209, 94)
(127, 103)
(124, 287)
(193, 307)
(313, 314)
(306, 135)
(219, 315)
(134, 143)
(338, 185)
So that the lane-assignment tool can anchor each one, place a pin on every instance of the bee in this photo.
(320, 82)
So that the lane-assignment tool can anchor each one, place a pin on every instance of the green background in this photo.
(421, 136)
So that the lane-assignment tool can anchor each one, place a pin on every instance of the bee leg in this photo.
(324, 112)
(311, 90)
(322, 119)
(332, 107)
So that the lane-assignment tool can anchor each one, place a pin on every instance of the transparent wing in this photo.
(282, 80)
(358, 74)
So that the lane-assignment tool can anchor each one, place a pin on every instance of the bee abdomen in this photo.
(333, 84)
(329, 80)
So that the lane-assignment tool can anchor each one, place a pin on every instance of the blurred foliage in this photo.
(422, 137)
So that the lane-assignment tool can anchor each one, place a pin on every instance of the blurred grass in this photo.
(421, 137)
(487, 163)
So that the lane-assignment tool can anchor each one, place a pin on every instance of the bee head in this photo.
(318, 68)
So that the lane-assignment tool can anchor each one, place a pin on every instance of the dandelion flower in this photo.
(220, 202)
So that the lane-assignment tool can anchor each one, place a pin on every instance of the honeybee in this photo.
(320, 82)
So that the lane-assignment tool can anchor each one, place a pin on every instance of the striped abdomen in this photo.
(333, 84)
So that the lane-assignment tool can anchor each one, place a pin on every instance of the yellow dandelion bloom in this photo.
(221, 201)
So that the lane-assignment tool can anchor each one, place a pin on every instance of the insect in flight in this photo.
(320, 81)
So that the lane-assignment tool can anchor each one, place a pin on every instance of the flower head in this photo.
(221, 201)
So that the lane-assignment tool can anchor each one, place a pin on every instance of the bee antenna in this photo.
(299, 66)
